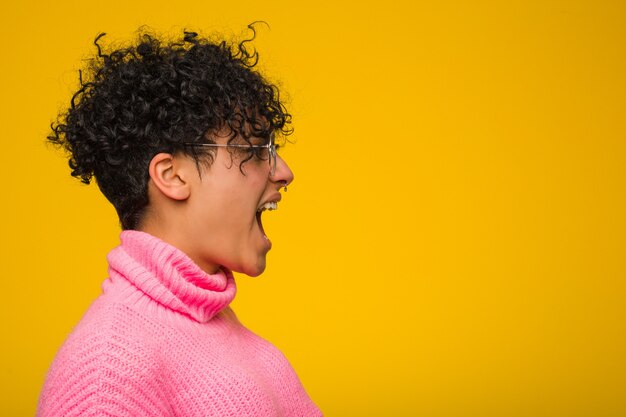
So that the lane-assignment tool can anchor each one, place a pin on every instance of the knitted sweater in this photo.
(162, 341)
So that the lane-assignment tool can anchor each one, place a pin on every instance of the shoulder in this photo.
(110, 361)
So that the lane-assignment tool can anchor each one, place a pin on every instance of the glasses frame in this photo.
(271, 148)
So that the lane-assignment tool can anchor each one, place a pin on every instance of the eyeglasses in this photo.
(270, 146)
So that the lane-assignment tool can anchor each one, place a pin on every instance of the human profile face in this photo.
(223, 218)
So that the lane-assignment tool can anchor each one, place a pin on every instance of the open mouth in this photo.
(267, 206)
(260, 223)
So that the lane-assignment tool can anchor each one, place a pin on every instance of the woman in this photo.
(180, 139)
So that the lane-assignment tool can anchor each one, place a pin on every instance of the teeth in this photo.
(272, 205)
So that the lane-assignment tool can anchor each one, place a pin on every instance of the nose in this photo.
(283, 172)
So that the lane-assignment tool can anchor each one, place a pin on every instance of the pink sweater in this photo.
(162, 341)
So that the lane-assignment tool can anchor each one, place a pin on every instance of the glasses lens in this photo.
(272, 158)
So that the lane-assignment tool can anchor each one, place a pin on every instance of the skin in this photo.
(212, 217)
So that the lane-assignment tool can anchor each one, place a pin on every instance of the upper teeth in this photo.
(272, 205)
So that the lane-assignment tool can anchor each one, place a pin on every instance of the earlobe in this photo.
(168, 176)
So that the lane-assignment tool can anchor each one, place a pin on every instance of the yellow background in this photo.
(453, 244)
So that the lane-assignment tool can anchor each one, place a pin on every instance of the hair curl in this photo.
(153, 96)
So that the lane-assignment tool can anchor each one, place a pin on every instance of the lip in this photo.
(274, 198)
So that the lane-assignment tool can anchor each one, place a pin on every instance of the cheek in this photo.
(229, 214)
(230, 199)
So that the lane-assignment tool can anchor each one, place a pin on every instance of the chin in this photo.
(254, 270)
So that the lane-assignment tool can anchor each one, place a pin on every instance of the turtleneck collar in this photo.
(168, 276)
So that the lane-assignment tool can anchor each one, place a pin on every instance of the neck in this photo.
(162, 227)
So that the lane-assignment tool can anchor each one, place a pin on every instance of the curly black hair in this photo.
(153, 96)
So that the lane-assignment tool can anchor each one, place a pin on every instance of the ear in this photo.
(169, 175)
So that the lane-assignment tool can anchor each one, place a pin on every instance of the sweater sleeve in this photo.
(105, 368)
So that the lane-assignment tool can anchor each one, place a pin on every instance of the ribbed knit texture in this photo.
(162, 341)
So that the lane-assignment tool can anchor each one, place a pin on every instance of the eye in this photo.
(260, 153)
